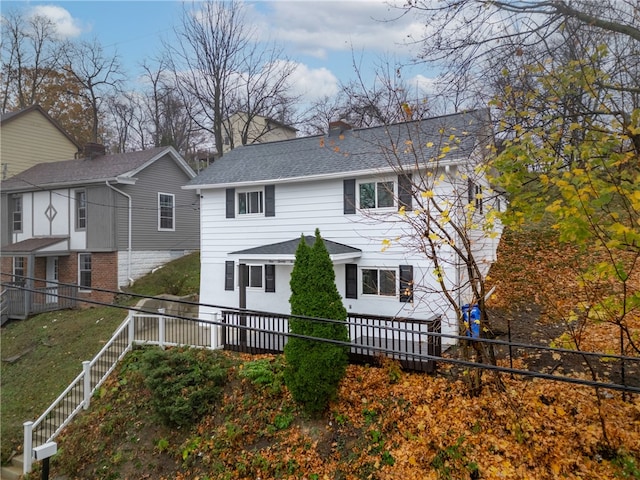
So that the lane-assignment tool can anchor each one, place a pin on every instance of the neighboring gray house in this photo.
(100, 221)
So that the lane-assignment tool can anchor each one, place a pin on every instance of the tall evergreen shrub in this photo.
(315, 368)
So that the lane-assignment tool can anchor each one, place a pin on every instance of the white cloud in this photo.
(423, 85)
(313, 83)
(315, 28)
(66, 25)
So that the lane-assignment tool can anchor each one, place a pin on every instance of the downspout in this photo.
(129, 230)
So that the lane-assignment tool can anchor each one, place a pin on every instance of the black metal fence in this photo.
(414, 343)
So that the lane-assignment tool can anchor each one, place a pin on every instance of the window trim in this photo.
(80, 208)
(81, 287)
(173, 212)
(376, 186)
(15, 268)
(248, 277)
(17, 201)
(261, 201)
(378, 270)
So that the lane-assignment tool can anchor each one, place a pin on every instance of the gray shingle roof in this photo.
(79, 171)
(289, 248)
(356, 150)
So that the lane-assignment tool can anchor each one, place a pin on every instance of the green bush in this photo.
(185, 383)
(314, 368)
(265, 374)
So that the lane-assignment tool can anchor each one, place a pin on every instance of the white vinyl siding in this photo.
(301, 208)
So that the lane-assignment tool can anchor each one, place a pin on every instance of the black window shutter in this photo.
(404, 191)
(231, 202)
(350, 196)
(229, 268)
(351, 285)
(245, 273)
(270, 278)
(470, 190)
(406, 283)
(270, 201)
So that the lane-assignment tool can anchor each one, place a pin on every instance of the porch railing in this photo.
(22, 303)
(412, 342)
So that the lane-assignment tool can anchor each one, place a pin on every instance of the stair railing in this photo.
(137, 328)
(77, 396)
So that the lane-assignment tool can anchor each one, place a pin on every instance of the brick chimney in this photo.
(338, 127)
(93, 150)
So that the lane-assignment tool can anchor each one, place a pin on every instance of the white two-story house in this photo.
(258, 200)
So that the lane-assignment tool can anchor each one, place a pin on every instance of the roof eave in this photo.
(75, 183)
(184, 166)
(288, 259)
(319, 177)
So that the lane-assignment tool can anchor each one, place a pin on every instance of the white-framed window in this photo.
(166, 211)
(379, 281)
(251, 202)
(84, 271)
(376, 194)
(81, 209)
(17, 214)
(18, 270)
(254, 276)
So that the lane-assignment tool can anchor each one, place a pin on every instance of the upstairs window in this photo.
(17, 214)
(379, 282)
(166, 211)
(377, 194)
(474, 191)
(250, 202)
(81, 209)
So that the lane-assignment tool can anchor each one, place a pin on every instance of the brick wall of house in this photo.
(6, 269)
(104, 275)
(39, 272)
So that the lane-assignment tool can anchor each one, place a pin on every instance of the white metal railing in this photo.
(137, 328)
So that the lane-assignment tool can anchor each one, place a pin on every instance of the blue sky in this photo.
(322, 37)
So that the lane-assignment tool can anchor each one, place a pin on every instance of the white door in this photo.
(52, 279)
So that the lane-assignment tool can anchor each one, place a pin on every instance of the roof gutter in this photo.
(74, 183)
(129, 240)
(322, 176)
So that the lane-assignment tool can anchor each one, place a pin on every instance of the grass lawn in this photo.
(43, 354)
(46, 353)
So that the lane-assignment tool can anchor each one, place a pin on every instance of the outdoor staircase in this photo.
(13, 471)
(103, 362)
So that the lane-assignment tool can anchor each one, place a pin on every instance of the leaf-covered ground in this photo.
(386, 423)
